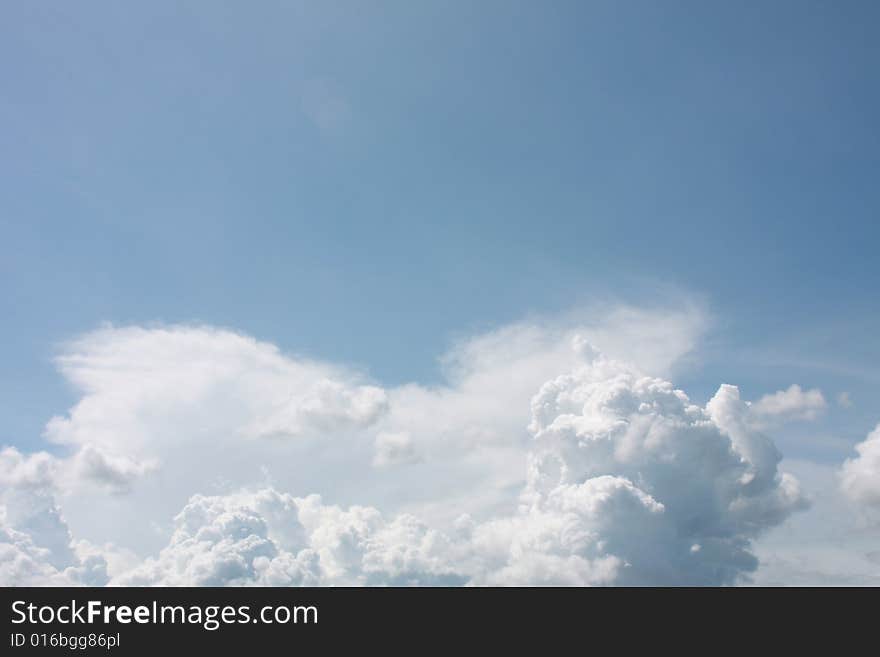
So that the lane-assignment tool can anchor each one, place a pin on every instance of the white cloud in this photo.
(267, 538)
(860, 476)
(693, 476)
(28, 502)
(35, 541)
(394, 449)
(24, 564)
(785, 405)
(326, 407)
(220, 541)
(117, 473)
(599, 475)
(169, 411)
(829, 546)
(628, 483)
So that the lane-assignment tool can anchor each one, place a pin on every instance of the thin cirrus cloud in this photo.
(557, 452)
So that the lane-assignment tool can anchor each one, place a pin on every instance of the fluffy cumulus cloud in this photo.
(539, 461)
(860, 476)
(635, 473)
(36, 547)
(794, 403)
(264, 537)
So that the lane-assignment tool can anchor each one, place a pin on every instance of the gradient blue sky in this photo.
(364, 181)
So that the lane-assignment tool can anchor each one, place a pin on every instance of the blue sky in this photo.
(430, 208)
(365, 182)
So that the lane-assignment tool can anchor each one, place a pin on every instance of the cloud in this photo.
(394, 449)
(628, 483)
(35, 542)
(327, 406)
(860, 476)
(28, 502)
(540, 459)
(221, 541)
(117, 473)
(829, 546)
(24, 564)
(264, 537)
(786, 405)
(691, 486)
(168, 411)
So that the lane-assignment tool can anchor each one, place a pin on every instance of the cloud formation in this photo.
(793, 403)
(689, 487)
(36, 547)
(860, 476)
(628, 483)
(541, 461)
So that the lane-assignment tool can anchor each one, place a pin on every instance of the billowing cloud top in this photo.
(542, 461)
